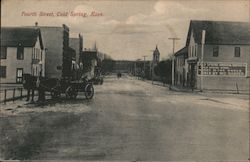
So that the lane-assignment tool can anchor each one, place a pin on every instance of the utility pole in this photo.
(203, 36)
(152, 67)
(173, 39)
(144, 65)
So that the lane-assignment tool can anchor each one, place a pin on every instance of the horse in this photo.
(42, 84)
(29, 83)
(119, 75)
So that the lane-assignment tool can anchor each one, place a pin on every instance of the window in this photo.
(3, 53)
(20, 54)
(19, 75)
(215, 51)
(195, 50)
(41, 55)
(38, 54)
(189, 49)
(192, 51)
(2, 71)
(33, 53)
(237, 52)
(36, 71)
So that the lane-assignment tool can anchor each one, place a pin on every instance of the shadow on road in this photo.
(60, 101)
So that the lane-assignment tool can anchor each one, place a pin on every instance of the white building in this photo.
(22, 52)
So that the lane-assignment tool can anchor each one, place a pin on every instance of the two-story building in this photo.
(218, 55)
(22, 51)
(59, 56)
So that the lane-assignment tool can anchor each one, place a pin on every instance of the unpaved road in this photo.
(128, 120)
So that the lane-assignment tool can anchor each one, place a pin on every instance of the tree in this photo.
(107, 65)
(164, 70)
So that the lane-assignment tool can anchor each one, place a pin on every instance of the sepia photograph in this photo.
(125, 80)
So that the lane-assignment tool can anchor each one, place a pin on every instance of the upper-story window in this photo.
(195, 50)
(2, 71)
(3, 54)
(41, 55)
(20, 53)
(237, 52)
(215, 51)
(189, 51)
(192, 51)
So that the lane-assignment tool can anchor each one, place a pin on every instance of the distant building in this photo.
(226, 58)
(156, 55)
(155, 61)
(142, 68)
(123, 66)
(59, 55)
(22, 51)
(77, 45)
(91, 63)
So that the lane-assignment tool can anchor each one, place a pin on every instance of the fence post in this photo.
(21, 91)
(14, 90)
(237, 88)
(5, 93)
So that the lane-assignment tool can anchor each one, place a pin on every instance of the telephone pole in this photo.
(173, 39)
(144, 65)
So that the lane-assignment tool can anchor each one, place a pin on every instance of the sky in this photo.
(124, 29)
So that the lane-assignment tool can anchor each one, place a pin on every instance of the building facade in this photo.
(59, 59)
(22, 51)
(123, 66)
(218, 55)
(90, 62)
(181, 67)
(77, 45)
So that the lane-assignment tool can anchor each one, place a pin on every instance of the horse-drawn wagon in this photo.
(72, 88)
(56, 87)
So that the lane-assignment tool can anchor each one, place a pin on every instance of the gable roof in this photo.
(220, 32)
(182, 51)
(15, 36)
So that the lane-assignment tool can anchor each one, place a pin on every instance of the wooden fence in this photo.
(12, 94)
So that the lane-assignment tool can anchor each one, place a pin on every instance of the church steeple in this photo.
(156, 55)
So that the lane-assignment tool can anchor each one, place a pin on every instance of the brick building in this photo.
(22, 51)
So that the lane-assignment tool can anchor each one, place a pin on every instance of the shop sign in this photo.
(223, 69)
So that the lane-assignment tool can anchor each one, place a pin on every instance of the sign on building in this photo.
(223, 69)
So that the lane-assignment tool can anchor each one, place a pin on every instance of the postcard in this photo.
(125, 80)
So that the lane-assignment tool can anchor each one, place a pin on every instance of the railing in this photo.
(12, 94)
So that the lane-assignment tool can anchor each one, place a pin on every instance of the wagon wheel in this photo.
(55, 94)
(71, 92)
(89, 91)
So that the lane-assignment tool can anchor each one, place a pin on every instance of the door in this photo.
(19, 75)
(193, 68)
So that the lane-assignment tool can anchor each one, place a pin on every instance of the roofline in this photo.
(36, 29)
(223, 44)
(219, 21)
(176, 53)
(191, 22)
